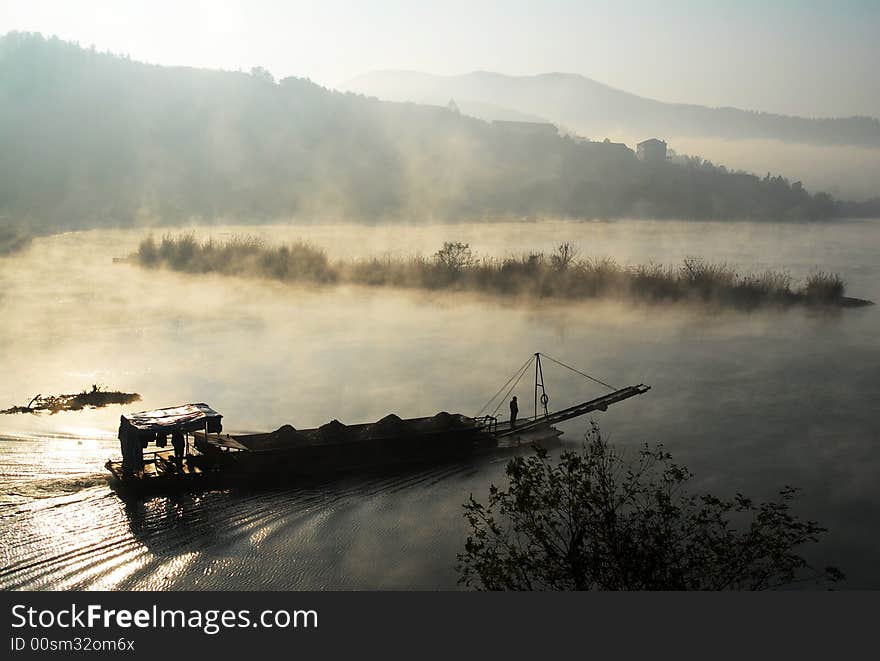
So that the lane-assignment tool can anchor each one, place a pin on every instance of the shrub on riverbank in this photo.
(594, 519)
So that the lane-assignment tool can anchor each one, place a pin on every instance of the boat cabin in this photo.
(138, 430)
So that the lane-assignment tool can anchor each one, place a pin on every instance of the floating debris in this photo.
(95, 398)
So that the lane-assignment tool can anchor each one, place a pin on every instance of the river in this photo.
(749, 401)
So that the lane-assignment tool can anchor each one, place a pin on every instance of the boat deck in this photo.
(224, 441)
(160, 464)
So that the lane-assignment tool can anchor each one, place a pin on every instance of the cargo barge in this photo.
(201, 456)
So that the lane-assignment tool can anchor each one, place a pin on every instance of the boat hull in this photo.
(215, 468)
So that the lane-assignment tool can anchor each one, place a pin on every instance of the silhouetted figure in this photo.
(514, 409)
(179, 445)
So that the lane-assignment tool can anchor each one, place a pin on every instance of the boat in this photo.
(207, 458)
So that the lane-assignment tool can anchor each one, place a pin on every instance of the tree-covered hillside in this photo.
(91, 139)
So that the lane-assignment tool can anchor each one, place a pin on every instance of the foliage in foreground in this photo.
(562, 274)
(596, 521)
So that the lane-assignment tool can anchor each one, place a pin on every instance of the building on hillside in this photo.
(617, 148)
(651, 151)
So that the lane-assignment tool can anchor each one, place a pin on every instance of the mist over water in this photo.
(749, 401)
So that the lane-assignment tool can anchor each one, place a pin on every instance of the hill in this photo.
(92, 139)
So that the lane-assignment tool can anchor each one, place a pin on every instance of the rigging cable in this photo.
(510, 390)
(591, 378)
(516, 375)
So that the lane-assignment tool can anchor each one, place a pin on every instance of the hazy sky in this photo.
(793, 56)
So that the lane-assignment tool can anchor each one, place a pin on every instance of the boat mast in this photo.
(539, 383)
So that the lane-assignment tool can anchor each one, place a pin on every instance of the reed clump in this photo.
(824, 287)
(563, 274)
(239, 255)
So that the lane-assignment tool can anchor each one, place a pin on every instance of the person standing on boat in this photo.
(179, 445)
(514, 409)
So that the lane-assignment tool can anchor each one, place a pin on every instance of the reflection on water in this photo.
(749, 401)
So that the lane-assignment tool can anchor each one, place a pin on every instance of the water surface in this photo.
(750, 401)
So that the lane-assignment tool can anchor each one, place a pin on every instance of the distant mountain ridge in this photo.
(597, 109)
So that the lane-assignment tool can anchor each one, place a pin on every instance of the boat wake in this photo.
(76, 534)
